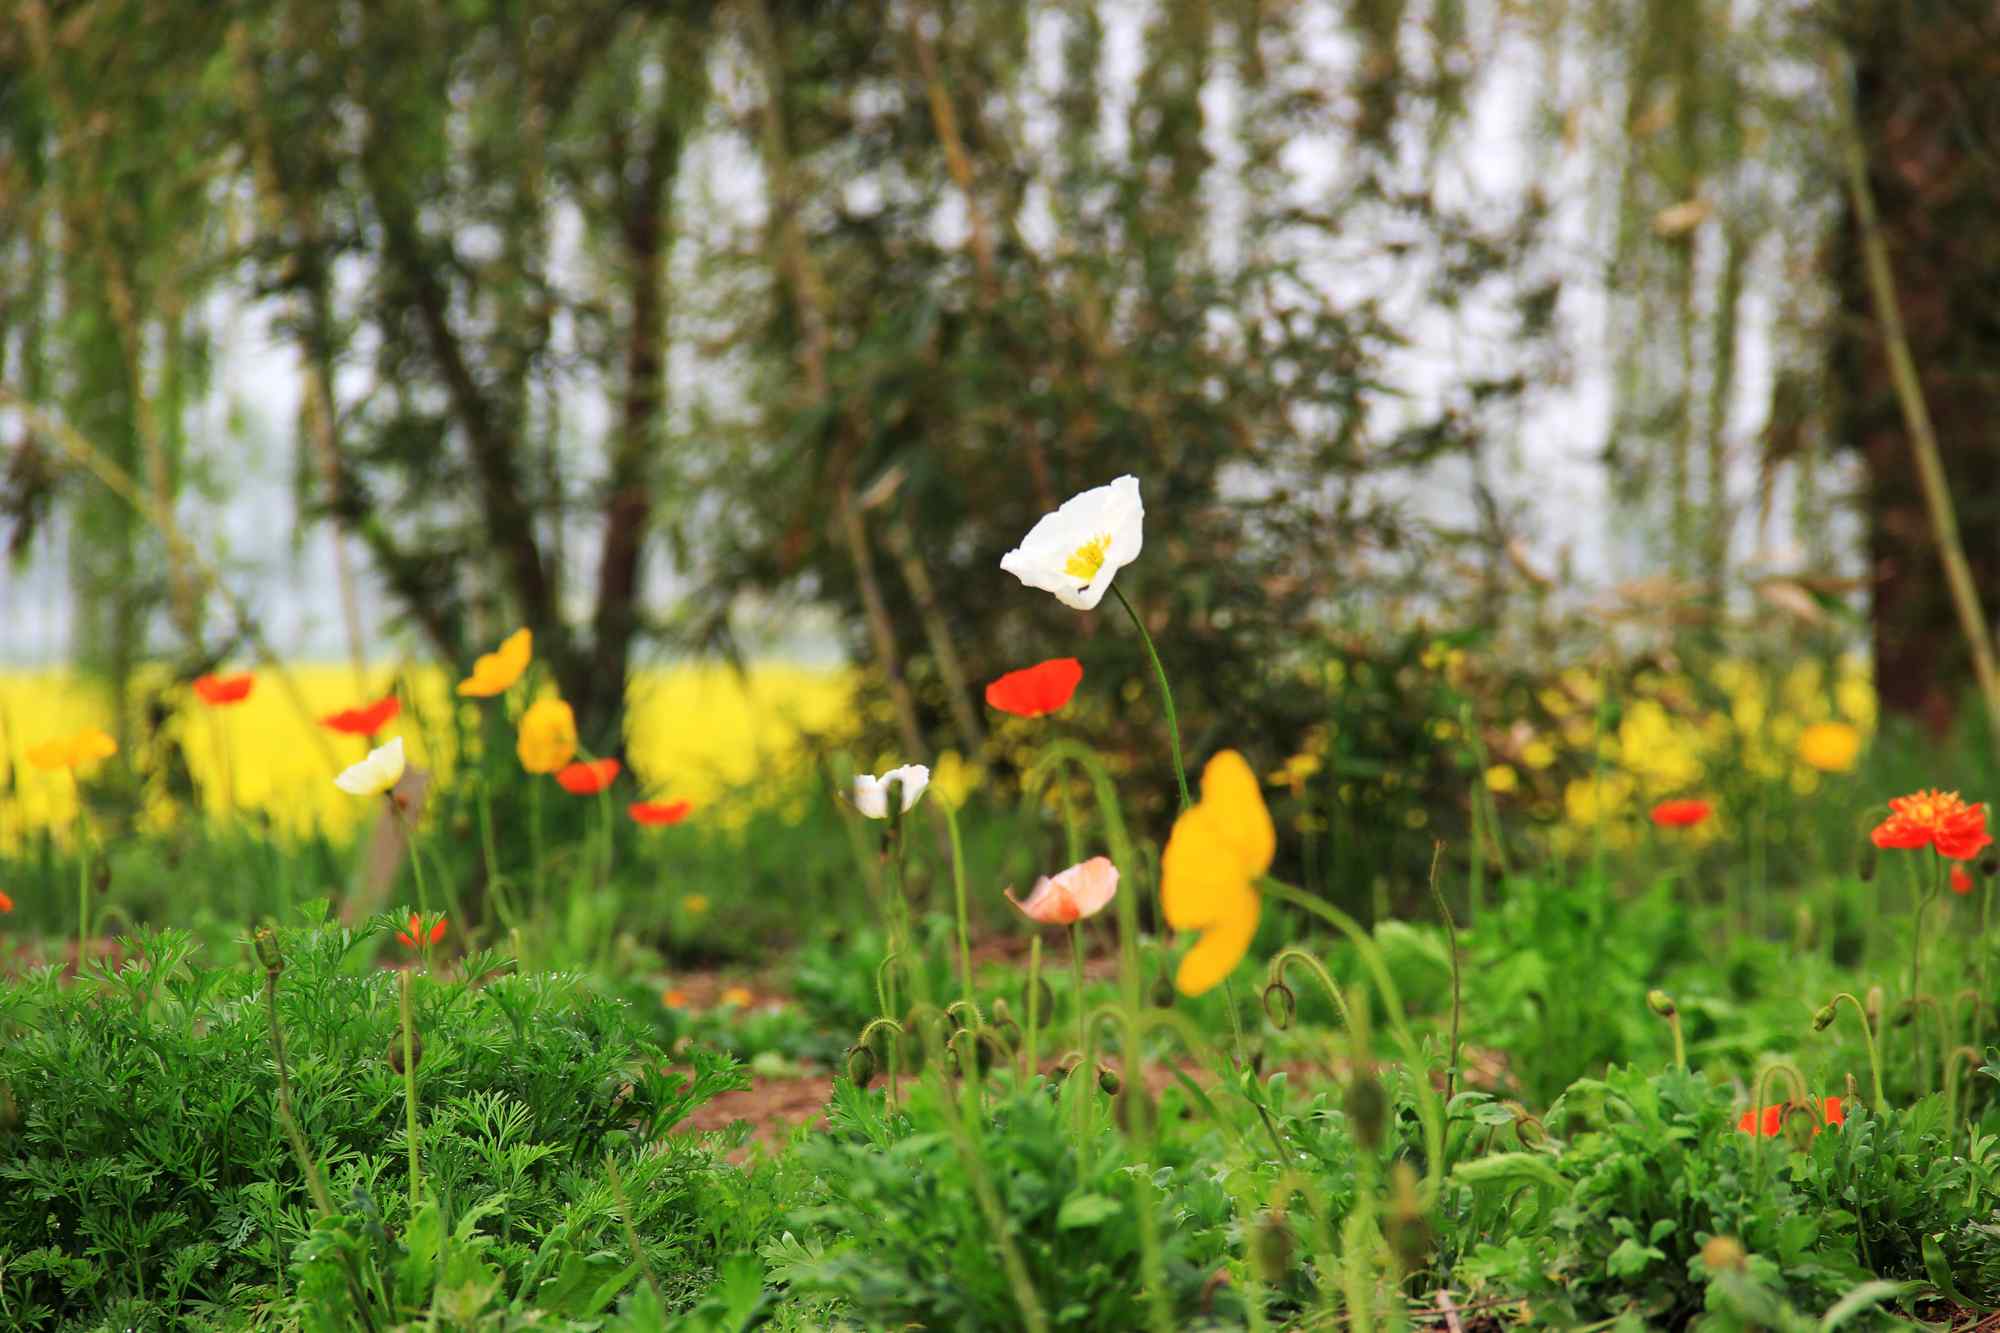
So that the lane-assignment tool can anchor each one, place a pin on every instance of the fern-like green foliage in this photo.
(146, 1180)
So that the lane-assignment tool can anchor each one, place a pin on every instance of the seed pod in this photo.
(1271, 1249)
(1823, 1018)
(1725, 1254)
(862, 1065)
(1280, 1005)
(396, 1049)
(1661, 1003)
(1367, 1107)
(266, 941)
(1164, 994)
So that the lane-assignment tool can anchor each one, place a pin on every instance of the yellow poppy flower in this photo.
(1218, 849)
(547, 738)
(494, 672)
(72, 752)
(1830, 747)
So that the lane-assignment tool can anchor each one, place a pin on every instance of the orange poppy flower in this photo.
(221, 691)
(364, 721)
(1684, 813)
(416, 934)
(1772, 1120)
(674, 999)
(655, 814)
(6, 903)
(587, 778)
(1934, 819)
(1037, 690)
(1960, 881)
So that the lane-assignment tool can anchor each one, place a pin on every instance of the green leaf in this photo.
(1631, 1258)
(1086, 1210)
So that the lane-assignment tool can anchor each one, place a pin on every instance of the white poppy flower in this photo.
(381, 770)
(1074, 552)
(871, 794)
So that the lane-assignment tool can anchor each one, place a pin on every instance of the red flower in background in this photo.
(1684, 813)
(220, 691)
(656, 814)
(416, 934)
(1772, 1123)
(1037, 690)
(364, 721)
(6, 903)
(1934, 819)
(1960, 881)
(587, 778)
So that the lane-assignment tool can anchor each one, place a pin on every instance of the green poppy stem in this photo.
(1166, 696)
(82, 877)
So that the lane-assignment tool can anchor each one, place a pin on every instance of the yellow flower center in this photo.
(1087, 559)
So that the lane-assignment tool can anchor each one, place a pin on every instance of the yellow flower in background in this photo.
(1218, 849)
(1830, 747)
(1538, 754)
(954, 779)
(73, 752)
(738, 997)
(547, 739)
(1296, 772)
(695, 904)
(1502, 778)
(496, 671)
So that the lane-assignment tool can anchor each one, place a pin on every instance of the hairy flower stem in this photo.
(1867, 1040)
(1166, 696)
(541, 897)
(410, 1090)
(958, 893)
(1034, 999)
(1076, 989)
(314, 1185)
(631, 1229)
(82, 884)
(488, 848)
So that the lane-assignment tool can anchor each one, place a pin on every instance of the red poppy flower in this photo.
(587, 779)
(1684, 813)
(1037, 690)
(655, 814)
(1960, 881)
(218, 691)
(364, 721)
(1934, 819)
(6, 903)
(1830, 1112)
(416, 933)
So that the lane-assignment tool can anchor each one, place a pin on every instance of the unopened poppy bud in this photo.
(1108, 1081)
(1406, 1228)
(1661, 1003)
(1163, 992)
(1001, 1013)
(266, 941)
(1367, 1107)
(396, 1051)
(1272, 1248)
(958, 1013)
(1280, 1005)
(1989, 863)
(1823, 1018)
(1725, 1254)
(1871, 1003)
(862, 1065)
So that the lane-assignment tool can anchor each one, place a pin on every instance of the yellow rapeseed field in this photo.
(699, 732)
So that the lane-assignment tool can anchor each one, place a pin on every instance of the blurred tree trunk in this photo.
(1931, 130)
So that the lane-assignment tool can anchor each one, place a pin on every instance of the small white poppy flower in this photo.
(381, 770)
(1074, 552)
(1085, 889)
(871, 794)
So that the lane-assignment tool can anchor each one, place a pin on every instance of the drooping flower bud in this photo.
(1989, 863)
(396, 1050)
(1280, 1005)
(266, 941)
(1163, 992)
(1725, 1254)
(1823, 1018)
(862, 1065)
(1661, 1003)
(1108, 1081)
